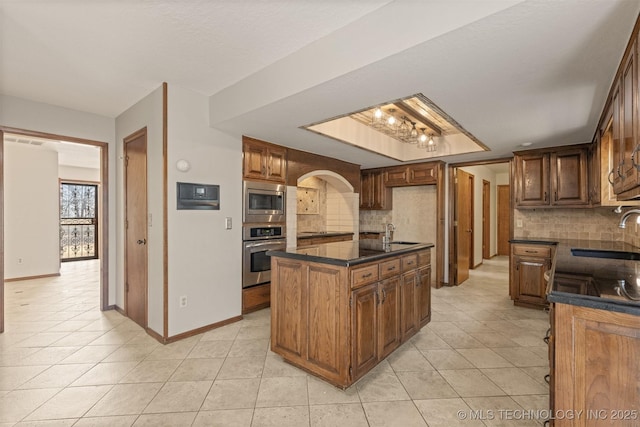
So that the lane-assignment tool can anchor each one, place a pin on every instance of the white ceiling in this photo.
(69, 153)
(508, 71)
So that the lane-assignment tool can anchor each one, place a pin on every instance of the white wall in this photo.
(74, 173)
(34, 116)
(146, 112)
(204, 258)
(31, 209)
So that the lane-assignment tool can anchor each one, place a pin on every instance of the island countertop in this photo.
(351, 252)
(602, 264)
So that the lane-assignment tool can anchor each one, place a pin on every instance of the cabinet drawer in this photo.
(424, 258)
(363, 275)
(256, 297)
(409, 262)
(390, 268)
(532, 250)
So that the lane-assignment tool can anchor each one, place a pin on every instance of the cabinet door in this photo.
(381, 197)
(408, 316)
(532, 184)
(289, 305)
(327, 325)
(569, 177)
(423, 296)
(366, 190)
(628, 118)
(616, 144)
(364, 329)
(277, 164)
(255, 157)
(389, 316)
(424, 174)
(396, 176)
(529, 277)
(596, 366)
(593, 172)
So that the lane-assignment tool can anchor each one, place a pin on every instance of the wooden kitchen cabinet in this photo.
(552, 178)
(263, 161)
(338, 322)
(413, 174)
(423, 296)
(595, 369)
(528, 265)
(374, 194)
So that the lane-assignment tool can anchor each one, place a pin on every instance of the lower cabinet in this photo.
(529, 263)
(595, 366)
(256, 298)
(339, 322)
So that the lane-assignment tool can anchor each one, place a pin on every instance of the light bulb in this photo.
(378, 113)
(391, 120)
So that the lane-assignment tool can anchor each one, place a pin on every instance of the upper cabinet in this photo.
(414, 174)
(263, 161)
(617, 133)
(556, 177)
(374, 195)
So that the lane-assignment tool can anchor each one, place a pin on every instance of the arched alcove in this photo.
(338, 211)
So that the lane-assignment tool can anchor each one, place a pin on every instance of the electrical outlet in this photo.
(519, 223)
(183, 301)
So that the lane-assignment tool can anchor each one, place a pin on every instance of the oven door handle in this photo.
(259, 244)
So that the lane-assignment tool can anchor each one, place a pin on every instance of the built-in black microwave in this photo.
(263, 202)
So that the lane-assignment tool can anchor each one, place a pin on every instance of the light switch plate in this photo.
(227, 223)
(519, 223)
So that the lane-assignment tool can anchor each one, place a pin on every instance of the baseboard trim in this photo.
(119, 310)
(183, 335)
(42, 276)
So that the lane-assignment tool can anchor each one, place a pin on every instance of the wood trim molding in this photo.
(1, 230)
(165, 212)
(193, 332)
(441, 219)
(40, 276)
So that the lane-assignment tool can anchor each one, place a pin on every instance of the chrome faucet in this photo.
(388, 233)
(626, 215)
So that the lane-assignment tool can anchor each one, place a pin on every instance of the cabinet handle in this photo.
(391, 268)
(633, 157)
(547, 336)
(618, 170)
(384, 296)
(366, 276)
(410, 263)
(547, 378)
(531, 252)
(556, 195)
(609, 177)
(545, 196)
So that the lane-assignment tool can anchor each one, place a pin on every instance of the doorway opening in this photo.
(475, 232)
(26, 151)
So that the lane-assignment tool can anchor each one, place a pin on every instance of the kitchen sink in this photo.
(604, 253)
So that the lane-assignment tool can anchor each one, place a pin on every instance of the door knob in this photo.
(142, 242)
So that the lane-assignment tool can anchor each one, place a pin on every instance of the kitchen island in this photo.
(594, 338)
(338, 309)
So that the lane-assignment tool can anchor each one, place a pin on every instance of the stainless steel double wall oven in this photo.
(263, 229)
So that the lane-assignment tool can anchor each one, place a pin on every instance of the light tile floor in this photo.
(64, 363)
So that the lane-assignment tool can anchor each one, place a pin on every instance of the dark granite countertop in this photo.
(603, 274)
(311, 234)
(348, 253)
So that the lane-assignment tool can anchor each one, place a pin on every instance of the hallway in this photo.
(63, 361)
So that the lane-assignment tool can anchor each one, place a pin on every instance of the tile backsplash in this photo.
(593, 224)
